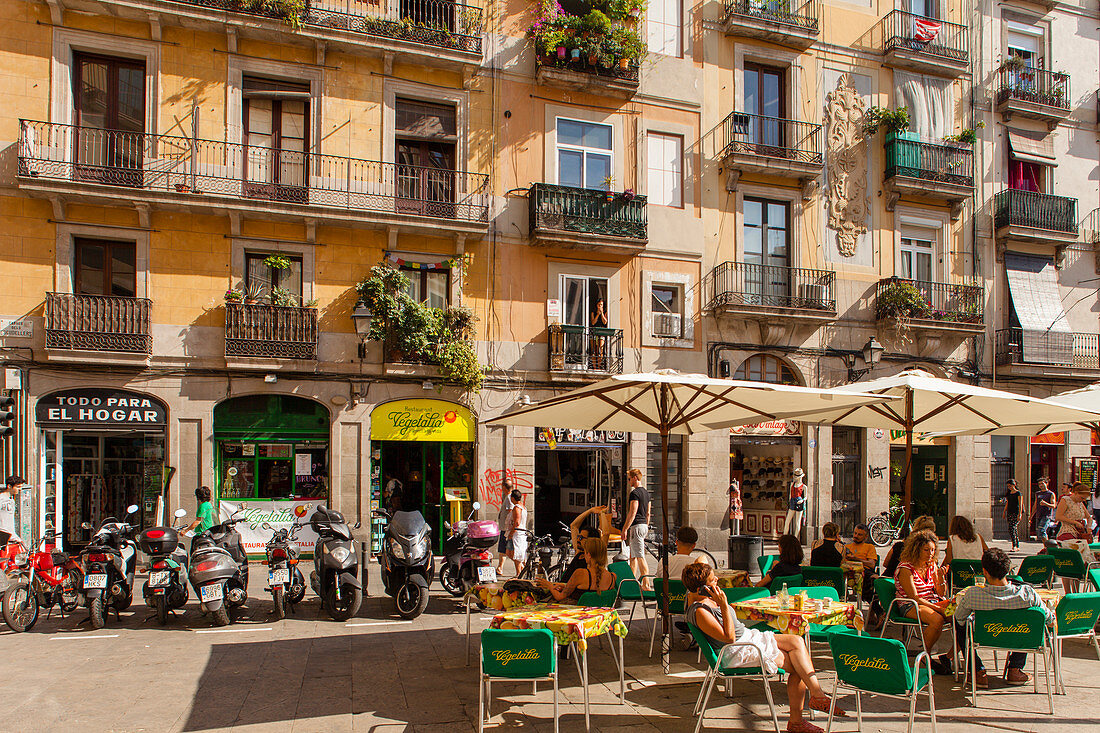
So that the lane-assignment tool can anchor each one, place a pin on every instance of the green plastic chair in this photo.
(1017, 630)
(630, 590)
(963, 573)
(1094, 578)
(765, 563)
(1068, 563)
(823, 576)
(880, 667)
(895, 607)
(516, 654)
(1076, 616)
(819, 632)
(676, 594)
(716, 670)
(733, 595)
(1094, 546)
(790, 580)
(1035, 570)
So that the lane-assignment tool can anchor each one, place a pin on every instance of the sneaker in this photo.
(981, 681)
(1016, 677)
(942, 667)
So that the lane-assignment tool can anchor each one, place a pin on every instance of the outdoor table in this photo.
(790, 621)
(853, 574)
(733, 578)
(493, 597)
(572, 625)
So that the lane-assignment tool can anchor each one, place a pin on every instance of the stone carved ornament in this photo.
(846, 163)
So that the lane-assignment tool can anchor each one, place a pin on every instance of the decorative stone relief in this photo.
(846, 161)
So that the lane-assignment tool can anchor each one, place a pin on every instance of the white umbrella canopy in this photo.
(1085, 398)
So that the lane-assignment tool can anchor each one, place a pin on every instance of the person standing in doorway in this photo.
(204, 515)
(504, 520)
(639, 513)
(1011, 512)
(796, 504)
(7, 509)
(517, 544)
(1043, 510)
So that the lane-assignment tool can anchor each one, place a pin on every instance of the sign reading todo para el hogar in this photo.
(92, 407)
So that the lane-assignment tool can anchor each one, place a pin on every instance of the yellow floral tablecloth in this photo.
(494, 597)
(789, 621)
(733, 578)
(854, 573)
(568, 624)
(1049, 596)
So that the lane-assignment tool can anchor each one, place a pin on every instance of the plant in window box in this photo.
(967, 136)
(277, 262)
(901, 301)
(631, 45)
(234, 295)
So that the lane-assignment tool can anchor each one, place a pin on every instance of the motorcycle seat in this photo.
(59, 558)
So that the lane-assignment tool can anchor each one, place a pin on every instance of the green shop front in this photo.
(272, 461)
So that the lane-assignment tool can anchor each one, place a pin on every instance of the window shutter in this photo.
(423, 120)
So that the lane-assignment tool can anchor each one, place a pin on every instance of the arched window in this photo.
(766, 368)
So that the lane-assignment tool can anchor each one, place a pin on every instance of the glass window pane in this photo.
(570, 132)
(89, 279)
(123, 274)
(437, 289)
(597, 136)
(597, 299)
(131, 99)
(576, 306)
(597, 171)
(570, 168)
(258, 275)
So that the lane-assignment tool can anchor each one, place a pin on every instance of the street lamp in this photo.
(363, 319)
(871, 353)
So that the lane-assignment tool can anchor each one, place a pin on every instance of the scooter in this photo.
(108, 561)
(406, 561)
(466, 551)
(166, 588)
(41, 580)
(284, 579)
(335, 576)
(219, 570)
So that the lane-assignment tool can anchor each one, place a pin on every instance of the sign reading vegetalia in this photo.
(93, 407)
(278, 515)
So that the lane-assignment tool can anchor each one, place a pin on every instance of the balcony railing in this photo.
(614, 72)
(431, 22)
(577, 348)
(1013, 207)
(744, 284)
(270, 331)
(902, 31)
(587, 211)
(930, 301)
(929, 161)
(98, 323)
(803, 16)
(772, 137)
(1037, 86)
(207, 168)
(1077, 350)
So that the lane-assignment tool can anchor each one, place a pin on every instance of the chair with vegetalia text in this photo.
(513, 655)
(814, 575)
(895, 607)
(1016, 630)
(790, 580)
(963, 574)
(1076, 616)
(1068, 563)
(1035, 570)
(676, 594)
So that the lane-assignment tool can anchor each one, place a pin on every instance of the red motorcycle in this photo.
(41, 580)
(10, 550)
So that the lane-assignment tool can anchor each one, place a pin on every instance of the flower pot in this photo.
(624, 64)
(575, 54)
(561, 52)
(592, 58)
(182, 188)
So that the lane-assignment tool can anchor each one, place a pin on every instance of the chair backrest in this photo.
(871, 663)
(816, 591)
(602, 599)
(790, 580)
(1094, 576)
(765, 562)
(521, 654)
(834, 577)
(1037, 569)
(885, 590)
(676, 594)
(1010, 629)
(963, 572)
(709, 652)
(1077, 613)
(622, 571)
(733, 595)
(1068, 562)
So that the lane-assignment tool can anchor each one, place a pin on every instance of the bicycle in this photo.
(545, 558)
(884, 529)
(660, 550)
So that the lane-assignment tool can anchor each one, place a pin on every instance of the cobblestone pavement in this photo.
(380, 674)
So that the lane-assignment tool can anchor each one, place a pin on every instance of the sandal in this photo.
(803, 726)
(821, 705)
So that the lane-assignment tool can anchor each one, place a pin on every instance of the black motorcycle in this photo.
(166, 588)
(109, 561)
(219, 569)
(406, 561)
(335, 576)
(284, 579)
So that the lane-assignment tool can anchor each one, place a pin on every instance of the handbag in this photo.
(796, 504)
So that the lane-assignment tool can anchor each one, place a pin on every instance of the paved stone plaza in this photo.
(380, 674)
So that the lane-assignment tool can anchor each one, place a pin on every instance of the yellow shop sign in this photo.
(422, 420)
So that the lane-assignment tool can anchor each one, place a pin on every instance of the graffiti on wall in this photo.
(490, 488)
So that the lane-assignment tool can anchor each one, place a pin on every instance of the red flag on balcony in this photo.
(925, 29)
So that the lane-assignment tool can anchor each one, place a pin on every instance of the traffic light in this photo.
(7, 414)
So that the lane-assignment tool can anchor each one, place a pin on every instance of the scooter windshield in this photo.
(408, 524)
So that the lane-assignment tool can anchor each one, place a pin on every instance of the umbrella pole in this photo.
(908, 453)
(665, 639)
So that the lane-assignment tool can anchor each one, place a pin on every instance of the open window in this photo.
(276, 131)
(425, 137)
(279, 285)
(429, 286)
(109, 114)
(767, 252)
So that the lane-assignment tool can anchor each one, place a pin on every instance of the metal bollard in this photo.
(364, 557)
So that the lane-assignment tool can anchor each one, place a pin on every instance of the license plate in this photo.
(211, 592)
(95, 580)
(487, 575)
(279, 577)
(159, 578)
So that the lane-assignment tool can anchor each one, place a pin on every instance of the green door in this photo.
(930, 484)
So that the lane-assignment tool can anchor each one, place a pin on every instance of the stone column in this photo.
(705, 501)
(818, 447)
(876, 467)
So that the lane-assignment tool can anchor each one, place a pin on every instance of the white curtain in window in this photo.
(930, 102)
(663, 27)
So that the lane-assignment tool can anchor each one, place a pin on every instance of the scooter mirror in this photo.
(132, 509)
(477, 505)
(180, 513)
(357, 525)
(447, 526)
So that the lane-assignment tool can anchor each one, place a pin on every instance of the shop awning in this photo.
(1033, 147)
(1033, 284)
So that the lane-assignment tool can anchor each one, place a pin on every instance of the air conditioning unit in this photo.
(668, 325)
(812, 295)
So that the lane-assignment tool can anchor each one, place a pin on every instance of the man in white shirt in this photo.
(686, 540)
(7, 508)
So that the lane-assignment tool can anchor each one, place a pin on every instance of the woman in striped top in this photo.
(919, 577)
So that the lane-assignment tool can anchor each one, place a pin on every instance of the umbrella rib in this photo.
(721, 400)
(951, 402)
(887, 412)
(990, 420)
(627, 408)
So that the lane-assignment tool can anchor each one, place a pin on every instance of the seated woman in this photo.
(827, 552)
(789, 563)
(920, 578)
(707, 608)
(963, 542)
(595, 577)
(578, 533)
(890, 567)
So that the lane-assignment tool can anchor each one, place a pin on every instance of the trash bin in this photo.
(744, 550)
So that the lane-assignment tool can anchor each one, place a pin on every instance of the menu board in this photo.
(1086, 470)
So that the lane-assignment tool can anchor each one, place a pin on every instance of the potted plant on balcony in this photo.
(283, 298)
(234, 295)
(900, 301)
(253, 292)
(609, 186)
(965, 137)
(277, 262)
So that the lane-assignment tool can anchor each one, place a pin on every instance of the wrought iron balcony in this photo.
(1073, 350)
(771, 145)
(1036, 93)
(789, 23)
(948, 305)
(766, 291)
(98, 323)
(591, 349)
(270, 331)
(587, 218)
(620, 79)
(929, 170)
(1030, 215)
(918, 43)
(206, 171)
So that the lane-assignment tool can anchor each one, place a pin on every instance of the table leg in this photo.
(584, 674)
(622, 674)
(467, 632)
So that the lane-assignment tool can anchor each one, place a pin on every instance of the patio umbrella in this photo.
(928, 404)
(670, 403)
(1085, 398)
